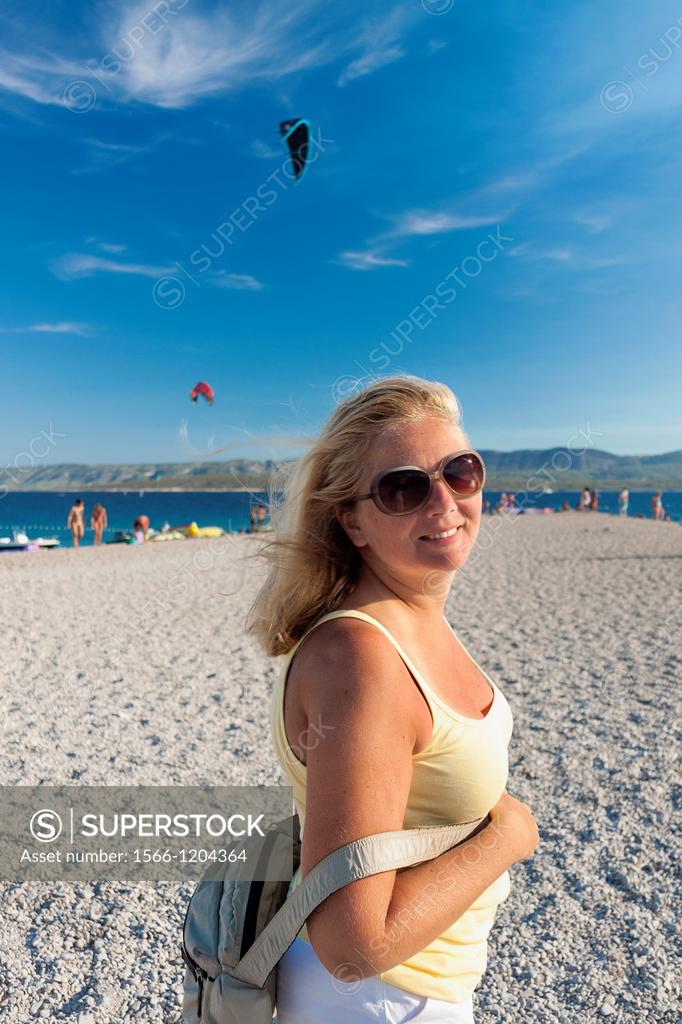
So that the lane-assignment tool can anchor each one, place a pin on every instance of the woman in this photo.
(141, 528)
(98, 522)
(657, 506)
(383, 721)
(74, 521)
(623, 501)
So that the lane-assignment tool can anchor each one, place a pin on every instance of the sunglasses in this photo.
(397, 492)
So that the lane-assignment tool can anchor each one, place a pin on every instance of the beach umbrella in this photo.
(296, 133)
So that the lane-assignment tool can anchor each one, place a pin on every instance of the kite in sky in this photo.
(296, 134)
(202, 388)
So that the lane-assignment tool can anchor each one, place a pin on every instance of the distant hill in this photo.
(564, 470)
(528, 469)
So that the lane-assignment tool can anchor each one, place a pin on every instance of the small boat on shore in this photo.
(20, 541)
(17, 542)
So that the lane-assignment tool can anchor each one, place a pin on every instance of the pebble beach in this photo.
(130, 666)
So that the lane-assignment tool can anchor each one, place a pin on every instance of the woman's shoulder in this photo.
(343, 650)
(339, 638)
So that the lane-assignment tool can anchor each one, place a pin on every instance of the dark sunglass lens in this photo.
(464, 474)
(403, 491)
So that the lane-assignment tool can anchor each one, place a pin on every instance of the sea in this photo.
(44, 513)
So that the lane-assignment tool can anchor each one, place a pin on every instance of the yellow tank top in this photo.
(458, 777)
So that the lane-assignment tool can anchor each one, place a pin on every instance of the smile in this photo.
(442, 535)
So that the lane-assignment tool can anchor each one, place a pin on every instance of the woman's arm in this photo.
(352, 685)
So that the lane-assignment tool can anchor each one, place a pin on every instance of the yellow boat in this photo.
(203, 531)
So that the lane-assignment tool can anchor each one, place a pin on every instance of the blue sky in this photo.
(525, 157)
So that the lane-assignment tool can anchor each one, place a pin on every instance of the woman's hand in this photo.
(515, 825)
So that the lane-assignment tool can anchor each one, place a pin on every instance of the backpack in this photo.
(237, 930)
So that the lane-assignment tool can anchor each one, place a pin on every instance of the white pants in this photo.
(308, 994)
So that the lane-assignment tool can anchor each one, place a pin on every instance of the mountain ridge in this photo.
(524, 469)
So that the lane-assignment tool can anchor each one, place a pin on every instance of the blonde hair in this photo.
(314, 564)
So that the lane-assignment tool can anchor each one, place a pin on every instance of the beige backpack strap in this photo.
(383, 851)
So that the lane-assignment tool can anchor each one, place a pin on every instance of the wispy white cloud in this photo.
(370, 62)
(531, 252)
(175, 60)
(265, 150)
(61, 327)
(37, 78)
(74, 265)
(424, 222)
(379, 42)
(570, 258)
(411, 224)
(367, 260)
(101, 155)
(237, 282)
(555, 255)
(594, 222)
(527, 179)
(111, 247)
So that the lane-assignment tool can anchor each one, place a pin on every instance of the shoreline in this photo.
(664, 489)
(145, 490)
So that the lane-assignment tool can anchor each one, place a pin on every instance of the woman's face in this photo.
(398, 542)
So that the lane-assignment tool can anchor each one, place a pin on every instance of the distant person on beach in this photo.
(504, 501)
(486, 507)
(140, 528)
(657, 506)
(253, 519)
(623, 502)
(594, 502)
(261, 513)
(98, 522)
(511, 501)
(360, 573)
(586, 499)
(565, 507)
(75, 521)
